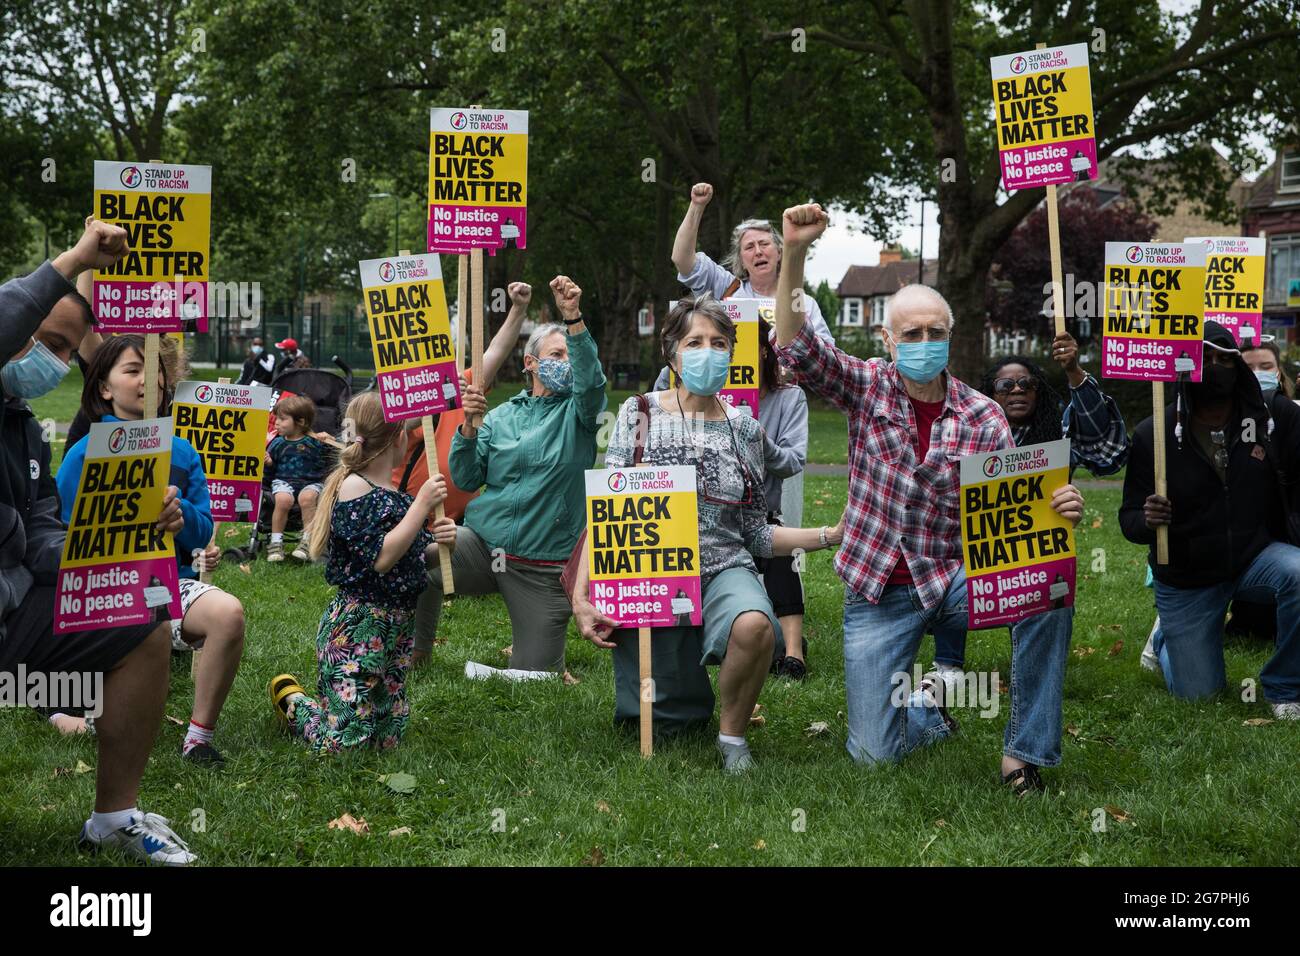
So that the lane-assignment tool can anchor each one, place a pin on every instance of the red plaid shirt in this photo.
(895, 505)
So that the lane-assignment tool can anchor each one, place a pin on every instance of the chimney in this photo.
(890, 254)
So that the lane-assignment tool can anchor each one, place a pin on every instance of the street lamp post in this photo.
(397, 213)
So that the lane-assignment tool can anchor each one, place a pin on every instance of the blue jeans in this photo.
(881, 640)
(950, 646)
(1190, 642)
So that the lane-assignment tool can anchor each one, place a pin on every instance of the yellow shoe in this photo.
(281, 688)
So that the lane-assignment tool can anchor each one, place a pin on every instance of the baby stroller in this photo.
(330, 393)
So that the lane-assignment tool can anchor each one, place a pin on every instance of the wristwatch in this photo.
(821, 536)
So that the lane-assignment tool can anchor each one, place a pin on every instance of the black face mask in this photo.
(1217, 382)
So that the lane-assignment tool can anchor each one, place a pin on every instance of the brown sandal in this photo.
(1024, 780)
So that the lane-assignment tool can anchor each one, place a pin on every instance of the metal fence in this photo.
(320, 336)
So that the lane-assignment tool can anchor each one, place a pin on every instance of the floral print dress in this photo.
(364, 643)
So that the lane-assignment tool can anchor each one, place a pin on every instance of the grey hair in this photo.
(732, 260)
(911, 291)
(540, 335)
(678, 322)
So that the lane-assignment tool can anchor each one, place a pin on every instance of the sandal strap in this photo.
(1024, 779)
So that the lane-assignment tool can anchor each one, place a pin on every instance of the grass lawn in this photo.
(1191, 783)
(827, 435)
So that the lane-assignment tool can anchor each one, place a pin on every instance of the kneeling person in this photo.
(1227, 523)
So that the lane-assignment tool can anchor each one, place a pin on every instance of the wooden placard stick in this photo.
(151, 396)
(476, 316)
(1162, 482)
(462, 308)
(431, 457)
(1054, 243)
(205, 575)
(647, 692)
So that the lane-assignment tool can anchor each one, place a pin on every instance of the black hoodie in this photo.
(1217, 530)
(31, 532)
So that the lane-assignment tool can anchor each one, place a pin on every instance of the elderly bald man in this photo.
(910, 422)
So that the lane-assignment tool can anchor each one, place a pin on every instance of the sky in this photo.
(844, 244)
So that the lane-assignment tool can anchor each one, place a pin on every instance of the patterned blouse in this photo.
(357, 530)
(728, 460)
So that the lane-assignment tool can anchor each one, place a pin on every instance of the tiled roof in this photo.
(867, 281)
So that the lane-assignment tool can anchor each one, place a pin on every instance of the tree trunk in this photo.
(964, 291)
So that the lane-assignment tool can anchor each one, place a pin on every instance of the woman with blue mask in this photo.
(528, 454)
(1265, 360)
(691, 425)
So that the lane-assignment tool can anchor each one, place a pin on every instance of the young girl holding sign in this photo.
(377, 545)
(210, 618)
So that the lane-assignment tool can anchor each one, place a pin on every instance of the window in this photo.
(1290, 172)
(1283, 266)
(852, 312)
(878, 310)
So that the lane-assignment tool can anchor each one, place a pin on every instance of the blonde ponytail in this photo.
(368, 437)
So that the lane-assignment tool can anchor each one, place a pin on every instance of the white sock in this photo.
(728, 739)
(102, 824)
(277, 537)
(195, 735)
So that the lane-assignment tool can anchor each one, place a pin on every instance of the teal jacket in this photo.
(529, 456)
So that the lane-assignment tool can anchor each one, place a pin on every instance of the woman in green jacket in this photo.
(529, 455)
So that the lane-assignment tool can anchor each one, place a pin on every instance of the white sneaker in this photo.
(148, 838)
(1287, 710)
(952, 677)
(1149, 660)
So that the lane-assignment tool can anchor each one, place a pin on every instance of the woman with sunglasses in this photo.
(1091, 420)
(691, 425)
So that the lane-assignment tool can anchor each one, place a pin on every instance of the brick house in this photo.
(863, 290)
(1273, 211)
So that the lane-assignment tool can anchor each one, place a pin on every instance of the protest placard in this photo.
(478, 179)
(741, 388)
(410, 336)
(643, 545)
(1154, 304)
(1043, 105)
(161, 285)
(1018, 553)
(118, 569)
(226, 424)
(1234, 284)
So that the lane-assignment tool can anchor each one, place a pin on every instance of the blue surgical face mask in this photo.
(256, 350)
(556, 375)
(37, 373)
(1268, 383)
(921, 361)
(704, 371)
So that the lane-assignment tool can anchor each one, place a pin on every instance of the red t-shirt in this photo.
(925, 414)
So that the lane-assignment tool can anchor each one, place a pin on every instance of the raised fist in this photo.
(701, 193)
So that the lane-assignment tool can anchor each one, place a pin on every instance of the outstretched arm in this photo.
(800, 226)
(688, 232)
(503, 343)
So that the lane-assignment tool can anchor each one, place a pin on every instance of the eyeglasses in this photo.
(913, 335)
(1004, 386)
(746, 479)
(742, 503)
